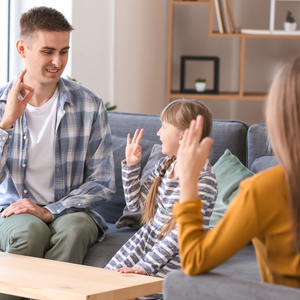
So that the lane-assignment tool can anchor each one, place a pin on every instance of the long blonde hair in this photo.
(283, 122)
(178, 113)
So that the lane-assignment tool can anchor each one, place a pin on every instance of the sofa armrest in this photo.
(214, 286)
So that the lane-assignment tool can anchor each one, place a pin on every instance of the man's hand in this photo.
(26, 206)
(133, 150)
(15, 107)
(135, 269)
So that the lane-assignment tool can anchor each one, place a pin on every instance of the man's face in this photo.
(46, 57)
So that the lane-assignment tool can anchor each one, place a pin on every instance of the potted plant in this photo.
(289, 24)
(107, 104)
(200, 84)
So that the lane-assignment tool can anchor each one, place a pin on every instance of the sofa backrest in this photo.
(258, 143)
(230, 135)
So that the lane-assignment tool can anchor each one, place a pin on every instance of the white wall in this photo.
(120, 52)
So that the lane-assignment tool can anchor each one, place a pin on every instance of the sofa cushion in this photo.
(263, 163)
(133, 219)
(229, 173)
(230, 135)
(258, 143)
(101, 253)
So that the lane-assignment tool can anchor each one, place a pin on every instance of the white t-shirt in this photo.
(41, 151)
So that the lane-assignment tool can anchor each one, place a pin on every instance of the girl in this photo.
(153, 250)
(267, 208)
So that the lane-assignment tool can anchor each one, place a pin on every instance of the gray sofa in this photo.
(239, 277)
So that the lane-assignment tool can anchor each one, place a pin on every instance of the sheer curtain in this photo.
(4, 8)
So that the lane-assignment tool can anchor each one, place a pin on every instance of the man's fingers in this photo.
(26, 87)
(28, 97)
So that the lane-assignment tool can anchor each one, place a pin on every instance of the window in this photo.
(4, 36)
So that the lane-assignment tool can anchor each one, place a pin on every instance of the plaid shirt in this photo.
(84, 167)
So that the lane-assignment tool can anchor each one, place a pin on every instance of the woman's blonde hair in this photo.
(283, 122)
(178, 113)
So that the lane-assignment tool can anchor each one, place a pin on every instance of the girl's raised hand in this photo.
(133, 151)
(191, 158)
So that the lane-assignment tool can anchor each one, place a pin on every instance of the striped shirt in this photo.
(158, 258)
(84, 168)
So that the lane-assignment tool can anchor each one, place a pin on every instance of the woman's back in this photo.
(274, 244)
(259, 213)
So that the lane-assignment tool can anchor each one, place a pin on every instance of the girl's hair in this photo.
(283, 122)
(178, 113)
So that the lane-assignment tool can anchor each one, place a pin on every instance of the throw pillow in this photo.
(229, 173)
(263, 163)
(133, 219)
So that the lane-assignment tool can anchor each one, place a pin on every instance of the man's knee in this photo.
(74, 227)
(26, 235)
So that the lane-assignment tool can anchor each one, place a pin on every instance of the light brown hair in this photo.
(178, 113)
(283, 122)
(42, 18)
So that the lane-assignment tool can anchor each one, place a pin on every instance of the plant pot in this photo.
(200, 86)
(289, 26)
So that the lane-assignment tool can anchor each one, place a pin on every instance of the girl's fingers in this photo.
(140, 136)
(135, 136)
(128, 139)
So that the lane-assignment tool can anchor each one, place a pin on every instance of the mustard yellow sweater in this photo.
(259, 213)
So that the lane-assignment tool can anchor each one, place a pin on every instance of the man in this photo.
(56, 161)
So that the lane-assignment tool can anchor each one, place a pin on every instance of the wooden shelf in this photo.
(241, 94)
(191, 2)
(240, 35)
(220, 96)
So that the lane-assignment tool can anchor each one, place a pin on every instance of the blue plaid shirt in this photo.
(84, 167)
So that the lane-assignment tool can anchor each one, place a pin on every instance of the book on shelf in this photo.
(225, 15)
(232, 21)
(255, 31)
(219, 16)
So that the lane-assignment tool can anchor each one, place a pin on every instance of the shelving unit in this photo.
(240, 94)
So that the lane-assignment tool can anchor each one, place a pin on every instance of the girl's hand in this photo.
(133, 151)
(135, 269)
(191, 158)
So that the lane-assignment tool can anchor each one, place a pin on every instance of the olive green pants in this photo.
(67, 238)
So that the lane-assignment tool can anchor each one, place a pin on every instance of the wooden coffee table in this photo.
(44, 279)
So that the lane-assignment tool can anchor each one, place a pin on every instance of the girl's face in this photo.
(170, 137)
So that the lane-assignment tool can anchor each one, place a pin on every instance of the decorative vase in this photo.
(289, 26)
(200, 86)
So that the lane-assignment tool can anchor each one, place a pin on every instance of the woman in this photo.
(267, 208)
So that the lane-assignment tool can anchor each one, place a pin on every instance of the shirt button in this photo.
(25, 191)
(58, 211)
(79, 204)
(25, 137)
(3, 138)
(10, 136)
(24, 165)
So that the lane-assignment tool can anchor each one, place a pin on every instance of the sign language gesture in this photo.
(15, 107)
(191, 158)
(133, 151)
